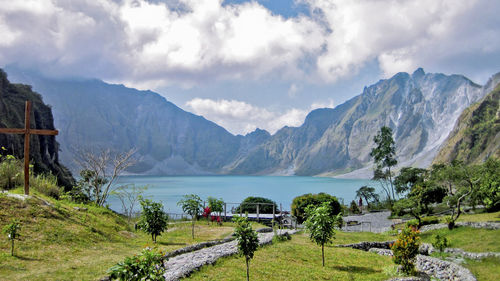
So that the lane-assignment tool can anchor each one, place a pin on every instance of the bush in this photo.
(246, 207)
(300, 203)
(46, 184)
(430, 220)
(405, 249)
(425, 221)
(440, 242)
(412, 223)
(146, 266)
(11, 172)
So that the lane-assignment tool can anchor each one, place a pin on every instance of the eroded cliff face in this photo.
(420, 108)
(43, 149)
(476, 135)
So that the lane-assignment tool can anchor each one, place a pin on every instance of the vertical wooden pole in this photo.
(225, 211)
(274, 213)
(257, 212)
(27, 114)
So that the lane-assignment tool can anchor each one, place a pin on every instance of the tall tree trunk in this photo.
(392, 186)
(323, 253)
(248, 272)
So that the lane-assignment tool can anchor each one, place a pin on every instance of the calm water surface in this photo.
(282, 190)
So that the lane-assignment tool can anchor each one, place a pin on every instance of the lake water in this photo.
(233, 189)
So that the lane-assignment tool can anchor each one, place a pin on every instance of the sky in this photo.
(251, 64)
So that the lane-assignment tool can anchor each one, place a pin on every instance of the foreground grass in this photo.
(61, 243)
(467, 238)
(300, 259)
(485, 269)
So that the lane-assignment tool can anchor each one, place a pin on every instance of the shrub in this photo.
(46, 184)
(11, 172)
(148, 265)
(440, 242)
(300, 203)
(405, 249)
(412, 223)
(248, 206)
(430, 220)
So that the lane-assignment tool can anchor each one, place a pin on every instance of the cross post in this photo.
(27, 131)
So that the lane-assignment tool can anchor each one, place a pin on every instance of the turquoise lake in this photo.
(233, 189)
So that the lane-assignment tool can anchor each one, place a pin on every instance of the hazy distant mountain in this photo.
(170, 141)
(476, 135)
(44, 149)
(420, 108)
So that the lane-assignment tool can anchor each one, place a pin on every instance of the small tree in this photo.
(440, 242)
(405, 249)
(191, 205)
(129, 196)
(321, 225)
(216, 205)
(248, 242)
(12, 231)
(384, 157)
(100, 170)
(153, 219)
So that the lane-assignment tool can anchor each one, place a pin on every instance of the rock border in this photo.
(443, 270)
(484, 225)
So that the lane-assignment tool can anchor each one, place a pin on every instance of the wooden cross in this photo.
(27, 132)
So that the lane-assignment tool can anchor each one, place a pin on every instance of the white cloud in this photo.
(240, 117)
(187, 42)
(292, 91)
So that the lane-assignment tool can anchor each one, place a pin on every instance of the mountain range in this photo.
(421, 108)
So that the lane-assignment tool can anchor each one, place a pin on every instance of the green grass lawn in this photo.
(485, 270)
(60, 243)
(467, 238)
(480, 217)
(300, 259)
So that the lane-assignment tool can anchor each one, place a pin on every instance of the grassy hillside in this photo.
(476, 135)
(59, 242)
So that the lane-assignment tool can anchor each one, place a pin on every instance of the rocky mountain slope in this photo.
(169, 140)
(476, 135)
(43, 149)
(420, 108)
